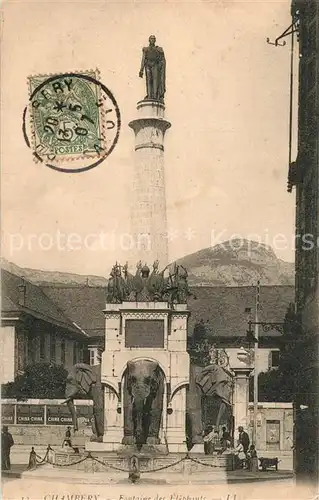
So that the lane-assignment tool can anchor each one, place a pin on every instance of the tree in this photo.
(272, 386)
(292, 376)
(200, 346)
(40, 381)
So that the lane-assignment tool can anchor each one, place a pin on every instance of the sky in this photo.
(226, 154)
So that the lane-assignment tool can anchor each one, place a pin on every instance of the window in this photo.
(274, 359)
(21, 351)
(75, 353)
(81, 354)
(26, 341)
(52, 347)
(42, 347)
(63, 352)
(93, 356)
(32, 347)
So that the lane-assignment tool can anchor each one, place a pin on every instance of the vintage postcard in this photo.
(159, 266)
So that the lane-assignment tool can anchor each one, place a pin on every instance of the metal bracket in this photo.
(276, 43)
(267, 326)
(293, 28)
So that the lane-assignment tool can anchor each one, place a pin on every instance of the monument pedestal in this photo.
(166, 325)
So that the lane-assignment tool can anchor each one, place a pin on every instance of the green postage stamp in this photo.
(74, 120)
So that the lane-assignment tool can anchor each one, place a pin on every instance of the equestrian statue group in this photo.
(169, 285)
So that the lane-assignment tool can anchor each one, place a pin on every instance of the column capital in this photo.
(149, 121)
(242, 371)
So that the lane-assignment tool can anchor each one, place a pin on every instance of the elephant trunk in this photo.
(71, 407)
(139, 409)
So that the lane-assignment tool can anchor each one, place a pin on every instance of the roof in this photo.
(221, 308)
(36, 302)
(83, 304)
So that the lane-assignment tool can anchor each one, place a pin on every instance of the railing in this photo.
(133, 467)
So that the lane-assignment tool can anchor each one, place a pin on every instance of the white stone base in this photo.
(197, 448)
(177, 448)
(113, 438)
(94, 446)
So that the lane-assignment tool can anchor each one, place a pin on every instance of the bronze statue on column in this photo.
(154, 64)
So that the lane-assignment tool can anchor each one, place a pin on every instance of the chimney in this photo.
(22, 293)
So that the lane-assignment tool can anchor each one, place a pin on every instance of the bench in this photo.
(266, 463)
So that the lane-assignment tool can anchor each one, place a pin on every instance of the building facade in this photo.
(34, 329)
(304, 175)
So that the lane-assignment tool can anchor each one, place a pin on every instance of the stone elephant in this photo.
(209, 381)
(143, 402)
(85, 380)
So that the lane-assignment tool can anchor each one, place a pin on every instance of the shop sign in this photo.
(30, 414)
(58, 415)
(7, 414)
(84, 414)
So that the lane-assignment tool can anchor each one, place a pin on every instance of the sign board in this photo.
(30, 414)
(84, 414)
(58, 415)
(148, 333)
(272, 431)
(7, 414)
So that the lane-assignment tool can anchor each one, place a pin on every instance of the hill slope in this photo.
(47, 277)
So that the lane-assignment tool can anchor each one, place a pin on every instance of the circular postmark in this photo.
(72, 122)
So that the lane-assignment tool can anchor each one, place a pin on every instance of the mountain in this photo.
(46, 277)
(232, 263)
(237, 263)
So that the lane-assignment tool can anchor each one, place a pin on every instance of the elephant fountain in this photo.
(143, 399)
(212, 381)
(85, 380)
(143, 402)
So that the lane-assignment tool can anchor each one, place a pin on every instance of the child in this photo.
(209, 435)
(67, 439)
(241, 455)
(252, 459)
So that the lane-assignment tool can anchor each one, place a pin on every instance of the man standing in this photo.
(6, 444)
(153, 61)
(225, 439)
(243, 439)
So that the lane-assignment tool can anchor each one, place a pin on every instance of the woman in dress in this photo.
(252, 459)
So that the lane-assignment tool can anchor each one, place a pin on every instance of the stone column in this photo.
(113, 429)
(113, 432)
(241, 396)
(175, 432)
(148, 201)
